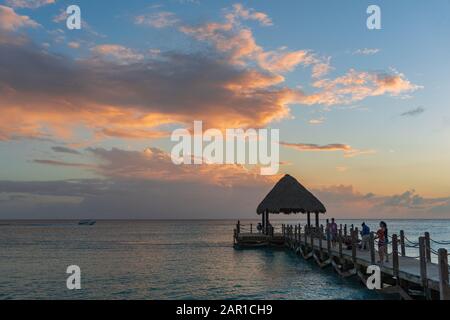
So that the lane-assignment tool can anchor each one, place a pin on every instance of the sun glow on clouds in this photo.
(348, 151)
(127, 94)
(11, 21)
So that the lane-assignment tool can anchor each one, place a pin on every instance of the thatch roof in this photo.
(289, 196)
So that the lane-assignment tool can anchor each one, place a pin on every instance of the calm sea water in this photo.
(166, 260)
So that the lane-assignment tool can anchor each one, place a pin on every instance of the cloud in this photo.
(317, 121)
(119, 92)
(158, 20)
(73, 45)
(321, 67)
(62, 163)
(65, 150)
(155, 164)
(30, 4)
(349, 152)
(345, 201)
(366, 51)
(413, 112)
(356, 86)
(118, 53)
(132, 99)
(11, 21)
(239, 11)
(166, 199)
(316, 147)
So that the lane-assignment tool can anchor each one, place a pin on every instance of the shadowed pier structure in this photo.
(410, 277)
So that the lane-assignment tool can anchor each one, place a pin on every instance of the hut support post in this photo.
(443, 274)
(306, 236)
(263, 222)
(299, 233)
(317, 220)
(308, 217)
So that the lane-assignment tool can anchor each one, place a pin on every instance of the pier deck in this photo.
(400, 274)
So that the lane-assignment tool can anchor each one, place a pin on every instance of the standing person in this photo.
(381, 236)
(333, 232)
(365, 235)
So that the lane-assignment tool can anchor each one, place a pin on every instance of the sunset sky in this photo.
(86, 115)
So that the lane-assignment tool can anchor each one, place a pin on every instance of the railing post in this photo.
(353, 246)
(443, 274)
(238, 227)
(402, 243)
(428, 246)
(423, 266)
(372, 247)
(345, 230)
(395, 260)
(251, 227)
(312, 240)
(340, 244)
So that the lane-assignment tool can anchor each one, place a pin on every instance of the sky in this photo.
(86, 115)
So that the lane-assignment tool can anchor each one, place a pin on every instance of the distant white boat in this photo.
(87, 222)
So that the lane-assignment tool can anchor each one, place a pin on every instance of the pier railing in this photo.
(408, 261)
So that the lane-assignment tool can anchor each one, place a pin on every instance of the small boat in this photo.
(86, 222)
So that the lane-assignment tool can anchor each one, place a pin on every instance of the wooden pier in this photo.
(409, 277)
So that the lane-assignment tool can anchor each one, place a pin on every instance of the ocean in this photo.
(155, 260)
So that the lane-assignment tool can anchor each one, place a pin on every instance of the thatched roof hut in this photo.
(289, 196)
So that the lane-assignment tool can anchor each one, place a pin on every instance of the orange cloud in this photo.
(349, 152)
(120, 53)
(10, 20)
(129, 95)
